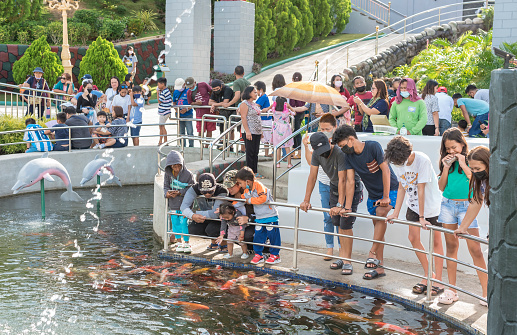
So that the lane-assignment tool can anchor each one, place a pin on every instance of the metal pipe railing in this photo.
(296, 248)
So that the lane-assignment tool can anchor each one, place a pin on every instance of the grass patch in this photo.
(321, 43)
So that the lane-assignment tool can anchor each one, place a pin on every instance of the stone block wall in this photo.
(147, 53)
(505, 22)
(403, 52)
(234, 29)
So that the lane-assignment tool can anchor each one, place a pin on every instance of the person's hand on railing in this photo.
(198, 218)
(460, 231)
(390, 217)
(335, 211)
(242, 220)
(305, 206)
(343, 212)
(424, 223)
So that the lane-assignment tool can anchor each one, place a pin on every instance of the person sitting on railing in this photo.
(83, 134)
(58, 133)
(417, 178)
(199, 94)
(179, 98)
(202, 225)
(231, 227)
(176, 182)
(98, 137)
(119, 139)
(367, 159)
(40, 141)
(258, 195)
(332, 161)
(37, 81)
(455, 175)
(64, 86)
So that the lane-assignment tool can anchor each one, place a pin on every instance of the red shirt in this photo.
(345, 93)
(365, 97)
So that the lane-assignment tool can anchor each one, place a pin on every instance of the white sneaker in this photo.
(96, 146)
(187, 248)
(102, 145)
(180, 248)
(245, 256)
(227, 256)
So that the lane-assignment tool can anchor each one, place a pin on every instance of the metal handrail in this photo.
(221, 136)
(296, 229)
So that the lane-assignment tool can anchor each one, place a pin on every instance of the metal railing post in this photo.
(275, 158)
(376, 40)
(69, 140)
(389, 12)
(405, 25)
(295, 243)
(201, 144)
(347, 56)
(439, 16)
(166, 235)
(430, 267)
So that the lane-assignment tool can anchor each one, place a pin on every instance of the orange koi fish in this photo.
(331, 293)
(344, 316)
(287, 304)
(199, 271)
(244, 291)
(393, 328)
(190, 305)
(38, 234)
(228, 284)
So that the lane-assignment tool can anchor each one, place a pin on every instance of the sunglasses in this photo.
(123, 86)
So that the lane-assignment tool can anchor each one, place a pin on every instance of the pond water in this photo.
(65, 275)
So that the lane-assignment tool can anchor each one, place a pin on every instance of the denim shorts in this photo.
(453, 212)
(370, 203)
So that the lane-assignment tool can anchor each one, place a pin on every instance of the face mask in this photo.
(90, 90)
(326, 154)
(136, 96)
(481, 175)
(404, 94)
(248, 187)
(328, 134)
(181, 89)
(348, 150)
(360, 89)
(130, 52)
(338, 83)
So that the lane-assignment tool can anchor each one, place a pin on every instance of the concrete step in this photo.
(266, 169)
(281, 189)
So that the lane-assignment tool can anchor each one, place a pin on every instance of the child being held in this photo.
(40, 141)
(98, 133)
(258, 195)
(462, 125)
(58, 133)
(176, 181)
(228, 215)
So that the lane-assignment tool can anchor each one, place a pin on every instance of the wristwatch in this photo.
(338, 205)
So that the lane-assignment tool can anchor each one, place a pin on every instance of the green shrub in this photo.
(102, 52)
(121, 10)
(55, 32)
(112, 29)
(135, 27)
(305, 24)
(90, 17)
(23, 37)
(38, 54)
(487, 14)
(265, 30)
(321, 13)
(147, 17)
(4, 34)
(8, 123)
(78, 32)
(38, 32)
(340, 13)
(286, 27)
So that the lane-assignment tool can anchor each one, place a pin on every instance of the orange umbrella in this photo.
(311, 91)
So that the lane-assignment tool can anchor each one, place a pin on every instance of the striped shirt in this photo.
(164, 108)
(37, 135)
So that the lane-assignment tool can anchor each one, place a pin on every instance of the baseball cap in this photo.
(229, 180)
(178, 83)
(442, 89)
(86, 76)
(206, 182)
(320, 143)
(189, 82)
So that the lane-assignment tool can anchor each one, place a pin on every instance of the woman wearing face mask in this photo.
(130, 61)
(409, 109)
(87, 101)
(337, 82)
(378, 104)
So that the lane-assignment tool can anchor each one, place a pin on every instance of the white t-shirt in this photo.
(421, 171)
(446, 105)
(123, 102)
(110, 94)
(483, 94)
(322, 176)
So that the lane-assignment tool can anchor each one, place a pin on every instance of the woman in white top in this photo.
(130, 61)
(432, 127)
(112, 91)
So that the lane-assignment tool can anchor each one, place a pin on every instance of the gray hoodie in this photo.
(182, 182)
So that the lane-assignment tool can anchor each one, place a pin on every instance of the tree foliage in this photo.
(38, 54)
(340, 13)
(306, 21)
(102, 62)
(286, 27)
(265, 30)
(322, 22)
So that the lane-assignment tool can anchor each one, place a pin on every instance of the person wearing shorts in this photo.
(417, 179)
(332, 161)
(164, 107)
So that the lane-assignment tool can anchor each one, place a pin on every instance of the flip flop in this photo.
(337, 265)
(373, 261)
(420, 288)
(347, 269)
(436, 290)
(328, 258)
(373, 274)
(212, 246)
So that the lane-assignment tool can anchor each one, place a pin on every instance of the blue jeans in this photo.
(328, 226)
(262, 233)
(444, 125)
(190, 130)
(475, 131)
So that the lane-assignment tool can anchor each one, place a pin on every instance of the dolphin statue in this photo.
(95, 168)
(42, 168)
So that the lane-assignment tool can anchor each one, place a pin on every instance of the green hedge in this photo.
(8, 123)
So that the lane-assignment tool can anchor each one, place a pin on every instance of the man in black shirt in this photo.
(84, 133)
(221, 95)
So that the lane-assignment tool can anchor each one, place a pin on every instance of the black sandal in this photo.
(337, 265)
(373, 274)
(420, 288)
(437, 290)
(374, 261)
(347, 269)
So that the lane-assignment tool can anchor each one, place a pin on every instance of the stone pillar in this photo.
(187, 28)
(505, 22)
(502, 272)
(234, 35)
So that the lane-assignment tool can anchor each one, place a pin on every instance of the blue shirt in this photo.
(60, 134)
(382, 106)
(366, 164)
(263, 102)
(180, 99)
(44, 143)
(474, 106)
(164, 107)
(136, 112)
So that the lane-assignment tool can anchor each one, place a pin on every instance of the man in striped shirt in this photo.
(37, 139)
(164, 107)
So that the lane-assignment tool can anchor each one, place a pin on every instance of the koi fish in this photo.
(199, 271)
(128, 263)
(331, 293)
(287, 304)
(102, 232)
(344, 316)
(192, 316)
(393, 328)
(159, 267)
(38, 234)
(133, 218)
(244, 291)
(228, 284)
(186, 304)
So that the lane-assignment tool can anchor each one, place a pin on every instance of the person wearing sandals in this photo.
(463, 212)
(203, 223)
(367, 160)
(417, 178)
(332, 161)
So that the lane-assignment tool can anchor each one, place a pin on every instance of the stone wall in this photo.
(403, 52)
(147, 53)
